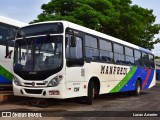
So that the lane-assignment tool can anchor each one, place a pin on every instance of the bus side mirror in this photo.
(73, 41)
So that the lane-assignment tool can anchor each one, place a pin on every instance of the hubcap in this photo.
(138, 89)
(93, 92)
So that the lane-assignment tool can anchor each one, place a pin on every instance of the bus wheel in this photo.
(91, 92)
(138, 88)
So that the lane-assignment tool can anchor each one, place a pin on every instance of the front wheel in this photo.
(138, 88)
(90, 95)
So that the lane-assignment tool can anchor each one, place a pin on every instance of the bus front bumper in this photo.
(39, 92)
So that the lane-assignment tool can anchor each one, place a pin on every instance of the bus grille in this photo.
(33, 91)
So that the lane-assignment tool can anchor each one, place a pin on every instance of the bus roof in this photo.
(12, 22)
(96, 33)
(102, 35)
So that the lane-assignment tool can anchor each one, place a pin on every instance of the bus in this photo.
(60, 59)
(7, 29)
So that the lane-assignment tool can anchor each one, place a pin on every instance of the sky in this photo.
(155, 6)
(27, 10)
(22, 10)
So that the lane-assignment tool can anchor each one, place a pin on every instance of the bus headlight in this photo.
(16, 81)
(55, 81)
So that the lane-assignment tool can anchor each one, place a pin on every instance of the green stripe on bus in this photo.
(5, 73)
(119, 86)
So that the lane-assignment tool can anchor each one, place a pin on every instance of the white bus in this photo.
(7, 27)
(60, 59)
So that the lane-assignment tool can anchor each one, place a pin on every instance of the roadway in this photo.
(113, 105)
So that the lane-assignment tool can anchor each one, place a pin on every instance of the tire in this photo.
(138, 88)
(90, 95)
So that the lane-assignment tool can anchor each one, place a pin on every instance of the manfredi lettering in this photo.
(113, 70)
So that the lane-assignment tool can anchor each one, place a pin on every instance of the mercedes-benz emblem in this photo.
(33, 83)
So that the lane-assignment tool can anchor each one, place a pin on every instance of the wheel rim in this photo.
(138, 88)
(93, 92)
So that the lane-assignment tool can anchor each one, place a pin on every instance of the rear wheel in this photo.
(138, 88)
(91, 93)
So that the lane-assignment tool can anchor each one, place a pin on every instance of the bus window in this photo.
(119, 54)
(151, 61)
(151, 57)
(145, 60)
(145, 56)
(129, 56)
(92, 51)
(105, 45)
(91, 41)
(6, 31)
(74, 54)
(106, 54)
(137, 55)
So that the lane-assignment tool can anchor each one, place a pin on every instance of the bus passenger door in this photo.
(74, 63)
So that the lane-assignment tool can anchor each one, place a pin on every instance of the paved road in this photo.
(102, 106)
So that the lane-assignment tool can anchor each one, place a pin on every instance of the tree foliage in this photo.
(118, 18)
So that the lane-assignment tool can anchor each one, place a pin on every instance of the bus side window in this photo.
(129, 56)
(74, 55)
(76, 52)
(6, 31)
(91, 46)
(151, 61)
(119, 54)
(137, 55)
(106, 54)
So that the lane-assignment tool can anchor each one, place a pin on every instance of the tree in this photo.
(157, 57)
(118, 18)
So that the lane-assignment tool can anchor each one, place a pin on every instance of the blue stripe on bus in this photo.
(4, 80)
(130, 82)
(142, 73)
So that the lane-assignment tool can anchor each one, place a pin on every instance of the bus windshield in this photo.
(38, 54)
